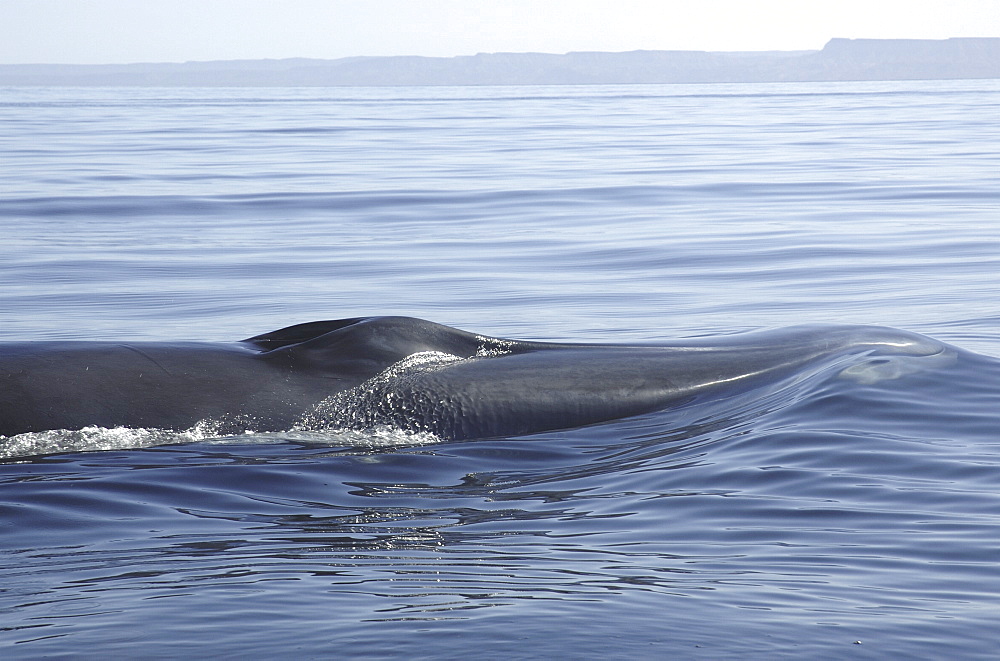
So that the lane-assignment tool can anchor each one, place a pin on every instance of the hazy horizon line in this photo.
(499, 52)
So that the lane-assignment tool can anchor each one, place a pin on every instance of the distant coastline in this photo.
(839, 60)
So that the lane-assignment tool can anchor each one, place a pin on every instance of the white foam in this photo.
(363, 407)
(95, 439)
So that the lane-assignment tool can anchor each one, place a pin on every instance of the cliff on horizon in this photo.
(839, 60)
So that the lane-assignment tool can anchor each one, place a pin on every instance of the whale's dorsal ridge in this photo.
(298, 333)
(364, 346)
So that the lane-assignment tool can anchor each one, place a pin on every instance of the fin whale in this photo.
(402, 372)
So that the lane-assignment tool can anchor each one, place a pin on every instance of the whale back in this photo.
(413, 374)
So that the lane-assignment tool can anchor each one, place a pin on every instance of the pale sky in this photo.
(121, 31)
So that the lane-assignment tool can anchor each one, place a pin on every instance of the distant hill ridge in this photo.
(840, 59)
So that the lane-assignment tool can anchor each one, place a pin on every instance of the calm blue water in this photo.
(789, 524)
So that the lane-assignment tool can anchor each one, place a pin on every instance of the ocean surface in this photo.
(827, 518)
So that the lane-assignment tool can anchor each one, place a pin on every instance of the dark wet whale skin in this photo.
(275, 381)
